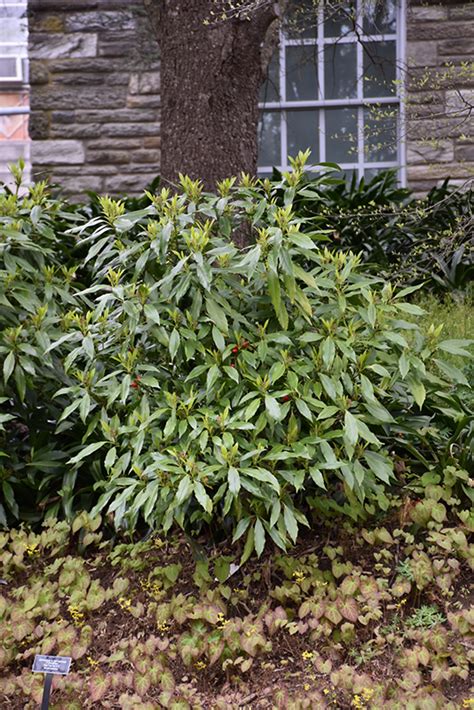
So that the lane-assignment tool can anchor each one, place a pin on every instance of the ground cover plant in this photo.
(273, 445)
(194, 384)
(354, 617)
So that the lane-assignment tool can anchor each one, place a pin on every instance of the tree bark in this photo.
(211, 72)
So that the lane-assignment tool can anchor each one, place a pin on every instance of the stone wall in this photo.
(440, 101)
(95, 95)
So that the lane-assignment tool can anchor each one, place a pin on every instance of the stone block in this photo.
(75, 187)
(131, 129)
(87, 65)
(67, 117)
(97, 79)
(54, 46)
(144, 83)
(439, 171)
(129, 184)
(86, 170)
(439, 78)
(49, 23)
(427, 129)
(417, 31)
(144, 101)
(38, 125)
(435, 13)
(463, 11)
(76, 130)
(147, 156)
(118, 116)
(38, 72)
(422, 54)
(95, 21)
(426, 110)
(113, 44)
(64, 98)
(60, 152)
(438, 151)
(112, 144)
(459, 48)
(460, 100)
(107, 156)
(465, 153)
(153, 142)
(11, 151)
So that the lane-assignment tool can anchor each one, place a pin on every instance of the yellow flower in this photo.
(367, 693)
(308, 655)
(299, 576)
(77, 616)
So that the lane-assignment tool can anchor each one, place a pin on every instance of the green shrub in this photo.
(416, 241)
(37, 284)
(240, 392)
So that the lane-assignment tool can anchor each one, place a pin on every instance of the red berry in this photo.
(231, 364)
(286, 397)
(235, 350)
(245, 344)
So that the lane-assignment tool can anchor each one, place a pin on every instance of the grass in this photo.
(456, 315)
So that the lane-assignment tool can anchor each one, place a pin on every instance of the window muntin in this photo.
(346, 84)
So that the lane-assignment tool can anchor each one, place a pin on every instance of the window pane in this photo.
(301, 19)
(340, 70)
(12, 10)
(269, 138)
(380, 17)
(301, 73)
(380, 134)
(303, 132)
(341, 135)
(370, 173)
(8, 67)
(270, 90)
(340, 19)
(379, 69)
(12, 29)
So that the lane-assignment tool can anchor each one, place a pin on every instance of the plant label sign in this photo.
(50, 665)
(56, 665)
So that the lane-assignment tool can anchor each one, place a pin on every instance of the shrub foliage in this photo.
(169, 377)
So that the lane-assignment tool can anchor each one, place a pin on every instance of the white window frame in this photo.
(396, 101)
(16, 49)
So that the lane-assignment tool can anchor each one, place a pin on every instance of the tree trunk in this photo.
(211, 72)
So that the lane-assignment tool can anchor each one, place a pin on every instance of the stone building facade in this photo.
(95, 93)
(440, 84)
